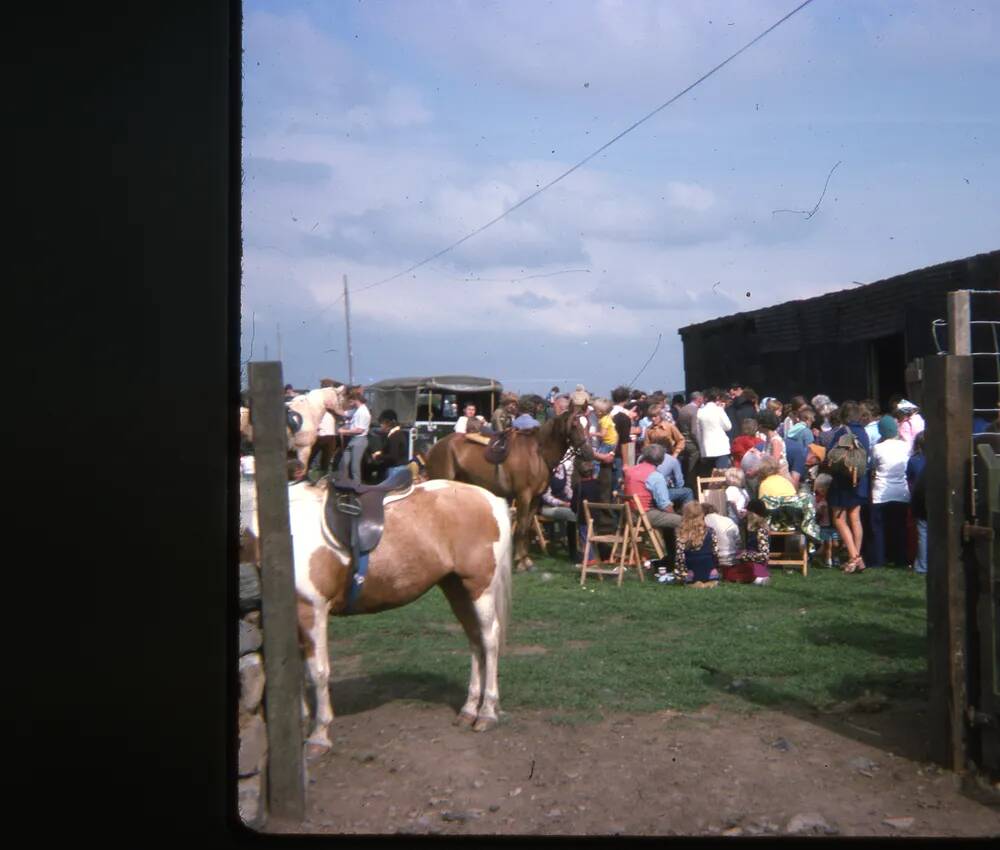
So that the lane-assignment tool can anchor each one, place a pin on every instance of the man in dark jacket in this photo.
(395, 451)
(743, 406)
(686, 418)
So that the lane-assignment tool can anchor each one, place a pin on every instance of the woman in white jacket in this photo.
(711, 427)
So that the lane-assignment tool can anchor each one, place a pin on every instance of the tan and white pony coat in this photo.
(446, 533)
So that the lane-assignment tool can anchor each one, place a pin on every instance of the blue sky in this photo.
(378, 133)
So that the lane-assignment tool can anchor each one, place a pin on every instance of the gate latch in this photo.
(979, 532)
(980, 718)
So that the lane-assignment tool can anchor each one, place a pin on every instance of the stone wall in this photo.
(252, 762)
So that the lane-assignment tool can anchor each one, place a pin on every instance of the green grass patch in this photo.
(809, 642)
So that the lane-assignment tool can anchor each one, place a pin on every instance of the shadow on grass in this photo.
(895, 720)
(869, 636)
(363, 693)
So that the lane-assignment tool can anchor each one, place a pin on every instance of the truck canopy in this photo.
(433, 398)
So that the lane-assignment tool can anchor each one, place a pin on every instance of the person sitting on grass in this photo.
(727, 535)
(752, 567)
(697, 550)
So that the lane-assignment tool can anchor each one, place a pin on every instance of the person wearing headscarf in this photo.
(910, 421)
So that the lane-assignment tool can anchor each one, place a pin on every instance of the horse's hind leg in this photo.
(489, 629)
(463, 606)
(522, 530)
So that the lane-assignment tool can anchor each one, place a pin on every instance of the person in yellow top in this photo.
(606, 429)
(772, 482)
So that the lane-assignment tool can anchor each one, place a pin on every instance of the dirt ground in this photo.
(398, 765)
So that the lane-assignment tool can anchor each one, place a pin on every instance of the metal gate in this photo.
(962, 391)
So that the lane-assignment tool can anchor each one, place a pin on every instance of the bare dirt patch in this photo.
(400, 766)
(527, 649)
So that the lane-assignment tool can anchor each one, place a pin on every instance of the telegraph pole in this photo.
(347, 317)
(279, 342)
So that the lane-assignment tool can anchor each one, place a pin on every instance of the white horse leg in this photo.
(318, 664)
(464, 609)
(469, 711)
(489, 629)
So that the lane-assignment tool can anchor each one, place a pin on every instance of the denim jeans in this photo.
(920, 562)
(350, 460)
(616, 474)
(392, 470)
(680, 494)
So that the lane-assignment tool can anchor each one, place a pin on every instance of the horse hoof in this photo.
(465, 719)
(484, 724)
(315, 749)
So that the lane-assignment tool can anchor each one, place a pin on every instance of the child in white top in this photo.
(727, 535)
(737, 497)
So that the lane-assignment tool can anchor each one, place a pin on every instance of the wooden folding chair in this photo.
(711, 481)
(779, 559)
(539, 533)
(643, 531)
(621, 549)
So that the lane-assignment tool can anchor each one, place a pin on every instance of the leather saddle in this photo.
(499, 446)
(355, 512)
(294, 420)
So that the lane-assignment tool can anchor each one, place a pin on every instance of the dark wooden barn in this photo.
(854, 343)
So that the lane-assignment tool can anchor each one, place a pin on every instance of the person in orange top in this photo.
(663, 432)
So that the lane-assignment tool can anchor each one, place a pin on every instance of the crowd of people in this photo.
(856, 468)
(853, 471)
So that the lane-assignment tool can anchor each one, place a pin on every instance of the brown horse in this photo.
(442, 533)
(524, 474)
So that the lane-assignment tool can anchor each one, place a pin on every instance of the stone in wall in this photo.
(250, 634)
(251, 682)
(250, 794)
(249, 587)
(253, 744)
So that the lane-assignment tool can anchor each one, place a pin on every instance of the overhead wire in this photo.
(588, 158)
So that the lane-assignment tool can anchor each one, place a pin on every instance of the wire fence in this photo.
(990, 395)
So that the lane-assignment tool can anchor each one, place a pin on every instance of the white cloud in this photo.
(616, 46)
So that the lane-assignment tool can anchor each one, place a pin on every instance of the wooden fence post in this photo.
(282, 659)
(948, 413)
(959, 329)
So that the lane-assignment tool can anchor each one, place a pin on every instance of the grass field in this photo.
(801, 642)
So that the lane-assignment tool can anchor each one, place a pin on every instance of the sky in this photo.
(376, 134)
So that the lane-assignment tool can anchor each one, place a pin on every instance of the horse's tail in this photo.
(501, 583)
